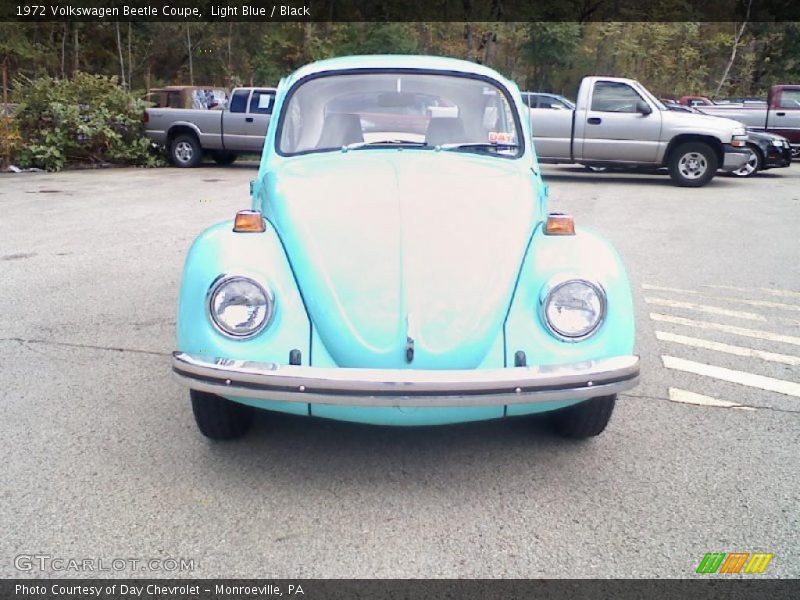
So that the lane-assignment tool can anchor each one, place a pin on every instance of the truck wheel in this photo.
(693, 164)
(224, 158)
(185, 151)
(753, 165)
(218, 418)
(585, 419)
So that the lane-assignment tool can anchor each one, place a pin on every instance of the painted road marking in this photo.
(774, 292)
(687, 397)
(762, 303)
(786, 359)
(753, 333)
(781, 386)
(705, 308)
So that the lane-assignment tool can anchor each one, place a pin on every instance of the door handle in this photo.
(594, 120)
(780, 114)
(249, 119)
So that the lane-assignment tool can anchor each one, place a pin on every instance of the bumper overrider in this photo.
(406, 387)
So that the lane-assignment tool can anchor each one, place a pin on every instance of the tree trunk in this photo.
(230, 58)
(119, 52)
(75, 50)
(6, 140)
(189, 46)
(130, 58)
(736, 39)
(64, 51)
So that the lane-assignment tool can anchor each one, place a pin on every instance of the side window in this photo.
(239, 101)
(612, 96)
(174, 100)
(261, 102)
(790, 99)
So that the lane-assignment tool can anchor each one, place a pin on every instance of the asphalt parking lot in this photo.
(103, 460)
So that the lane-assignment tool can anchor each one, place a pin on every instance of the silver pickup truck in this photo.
(188, 134)
(618, 123)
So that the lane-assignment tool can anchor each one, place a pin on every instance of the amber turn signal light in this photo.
(559, 224)
(249, 221)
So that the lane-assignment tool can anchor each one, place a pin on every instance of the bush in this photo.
(9, 138)
(88, 119)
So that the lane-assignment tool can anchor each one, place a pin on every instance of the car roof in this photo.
(395, 61)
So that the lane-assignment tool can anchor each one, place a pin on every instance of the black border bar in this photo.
(400, 10)
(716, 588)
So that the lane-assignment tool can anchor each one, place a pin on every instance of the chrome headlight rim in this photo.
(226, 279)
(557, 283)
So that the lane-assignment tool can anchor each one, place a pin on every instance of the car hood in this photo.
(388, 245)
(724, 128)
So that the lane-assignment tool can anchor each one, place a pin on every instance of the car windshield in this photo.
(398, 109)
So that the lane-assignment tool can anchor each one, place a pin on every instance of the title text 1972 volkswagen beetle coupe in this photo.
(399, 265)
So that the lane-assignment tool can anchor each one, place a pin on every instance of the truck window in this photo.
(613, 96)
(239, 101)
(174, 100)
(261, 102)
(790, 99)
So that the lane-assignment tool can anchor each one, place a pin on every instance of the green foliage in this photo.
(89, 119)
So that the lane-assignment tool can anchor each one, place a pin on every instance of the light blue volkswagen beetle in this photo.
(398, 265)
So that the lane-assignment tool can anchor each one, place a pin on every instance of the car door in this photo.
(235, 126)
(784, 113)
(257, 119)
(613, 127)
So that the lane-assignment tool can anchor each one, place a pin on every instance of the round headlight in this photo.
(239, 307)
(574, 309)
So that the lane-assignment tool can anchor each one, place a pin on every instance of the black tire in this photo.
(754, 164)
(185, 151)
(584, 420)
(218, 418)
(693, 164)
(224, 158)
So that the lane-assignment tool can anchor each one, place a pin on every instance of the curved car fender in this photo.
(219, 251)
(585, 255)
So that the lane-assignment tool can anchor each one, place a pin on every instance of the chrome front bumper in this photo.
(734, 158)
(406, 388)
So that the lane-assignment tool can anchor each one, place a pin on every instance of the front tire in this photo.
(585, 419)
(693, 164)
(185, 151)
(753, 165)
(218, 418)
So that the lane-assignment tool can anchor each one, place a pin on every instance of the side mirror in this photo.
(643, 108)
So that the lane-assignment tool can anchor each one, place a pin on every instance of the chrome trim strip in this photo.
(407, 387)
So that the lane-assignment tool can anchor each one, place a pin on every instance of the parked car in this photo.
(618, 123)
(546, 100)
(766, 150)
(188, 134)
(402, 278)
(781, 115)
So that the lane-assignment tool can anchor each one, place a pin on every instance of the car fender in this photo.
(583, 255)
(218, 251)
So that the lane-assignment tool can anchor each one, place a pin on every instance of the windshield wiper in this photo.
(479, 146)
(357, 145)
